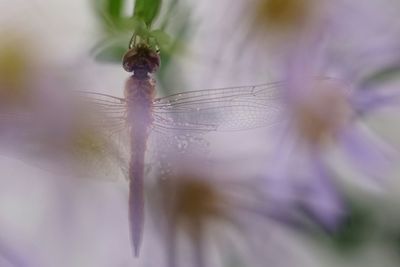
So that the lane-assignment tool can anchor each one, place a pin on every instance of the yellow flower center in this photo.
(283, 15)
(196, 200)
(15, 72)
(192, 203)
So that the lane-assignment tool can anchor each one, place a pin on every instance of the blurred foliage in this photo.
(395, 238)
(147, 23)
(114, 8)
(147, 10)
(354, 230)
(350, 234)
(118, 28)
(385, 74)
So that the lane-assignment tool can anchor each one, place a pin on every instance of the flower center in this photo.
(191, 202)
(283, 15)
(323, 112)
(196, 200)
(15, 68)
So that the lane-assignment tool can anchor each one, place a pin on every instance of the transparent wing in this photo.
(89, 128)
(224, 109)
(106, 116)
(181, 120)
(105, 111)
(79, 131)
(169, 150)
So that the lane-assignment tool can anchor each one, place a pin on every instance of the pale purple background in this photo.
(35, 208)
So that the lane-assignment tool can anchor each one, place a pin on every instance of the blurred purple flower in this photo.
(45, 121)
(16, 254)
(325, 110)
(209, 220)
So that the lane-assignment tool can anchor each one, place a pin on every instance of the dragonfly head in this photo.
(141, 59)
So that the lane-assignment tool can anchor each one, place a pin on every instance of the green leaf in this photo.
(111, 54)
(147, 10)
(355, 229)
(164, 41)
(109, 13)
(168, 14)
(111, 50)
(134, 25)
(114, 8)
(385, 74)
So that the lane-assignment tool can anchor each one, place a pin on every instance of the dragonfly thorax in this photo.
(141, 60)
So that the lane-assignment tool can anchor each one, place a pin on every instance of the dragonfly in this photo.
(140, 115)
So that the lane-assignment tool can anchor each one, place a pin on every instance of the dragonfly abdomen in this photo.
(139, 94)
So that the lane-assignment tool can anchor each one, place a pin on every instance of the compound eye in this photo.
(127, 61)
